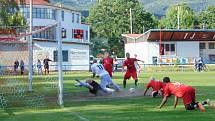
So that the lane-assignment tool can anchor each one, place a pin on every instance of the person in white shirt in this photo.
(104, 77)
(39, 67)
(137, 66)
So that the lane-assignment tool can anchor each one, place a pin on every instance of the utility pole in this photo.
(178, 15)
(131, 24)
(30, 50)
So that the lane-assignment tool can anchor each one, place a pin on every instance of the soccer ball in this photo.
(131, 90)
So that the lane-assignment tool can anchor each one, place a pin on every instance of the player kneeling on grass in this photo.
(157, 87)
(187, 93)
(131, 69)
(104, 76)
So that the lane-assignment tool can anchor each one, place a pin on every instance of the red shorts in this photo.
(129, 74)
(110, 72)
(189, 96)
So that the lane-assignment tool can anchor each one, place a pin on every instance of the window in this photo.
(47, 34)
(202, 45)
(42, 13)
(43, 16)
(78, 33)
(64, 54)
(78, 18)
(172, 47)
(73, 17)
(55, 56)
(211, 45)
(62, 15)
(212, 58)
(86, 35)
(38, 13)
(34, 13)
(167, 49)
(63, 33)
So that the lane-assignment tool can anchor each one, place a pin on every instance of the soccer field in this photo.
(121, 109)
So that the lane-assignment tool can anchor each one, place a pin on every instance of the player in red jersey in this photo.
(157, 87)
(108, 63)
(187, 93)
(131, 69)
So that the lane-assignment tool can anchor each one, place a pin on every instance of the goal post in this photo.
(24, 38)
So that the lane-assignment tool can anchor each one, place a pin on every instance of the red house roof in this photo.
(35, 2)
(174, 35)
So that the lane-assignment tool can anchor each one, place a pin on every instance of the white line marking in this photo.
(80, 117)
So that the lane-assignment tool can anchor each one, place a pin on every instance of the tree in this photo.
(187, 17)
(10, 15)
(110, 18)
(208, 17)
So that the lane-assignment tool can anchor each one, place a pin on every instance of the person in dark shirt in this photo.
(46, 64)
(16, 65)
(93, 86)
(22, 67)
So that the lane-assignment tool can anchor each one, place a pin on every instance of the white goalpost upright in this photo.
(60, 74)
(30, 51)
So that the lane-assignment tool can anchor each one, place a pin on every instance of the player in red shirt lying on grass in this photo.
(157, 87)
(187, 93)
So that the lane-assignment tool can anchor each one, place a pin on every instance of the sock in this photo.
(204, 102)
(136, 82)
(124, 84)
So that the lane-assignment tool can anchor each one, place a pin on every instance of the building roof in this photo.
(133, 35)
(44, 3)
(35, 2)
(174, 35)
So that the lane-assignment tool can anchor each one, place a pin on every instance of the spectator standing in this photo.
(46, 65)
(22, 67)
(39, 67)
(15, 67)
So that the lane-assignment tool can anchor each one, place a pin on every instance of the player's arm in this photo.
(89, 86)
(139, 60)
(175, 102)
(165, 98)
(84, 84)
(93, 71)
(145, 91)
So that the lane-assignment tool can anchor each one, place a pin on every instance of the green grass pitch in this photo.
(120, 109)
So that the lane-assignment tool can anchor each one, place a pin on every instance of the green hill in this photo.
(156, 7)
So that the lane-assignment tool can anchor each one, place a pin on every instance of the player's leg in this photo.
(189, 100)
(110, 81)
(104, 83)
(48, 69)
(209, 103)
(134, 76)
(126, 76)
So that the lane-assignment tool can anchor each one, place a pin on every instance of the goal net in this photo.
(14, 67)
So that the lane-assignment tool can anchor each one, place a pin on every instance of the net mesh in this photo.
(14, 69)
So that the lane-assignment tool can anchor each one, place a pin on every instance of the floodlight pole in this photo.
(60, 73)
(131, 23)
(178, 15)
(30, 50)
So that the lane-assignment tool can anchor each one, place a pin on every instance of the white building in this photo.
(175, 46)
(75, 37)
